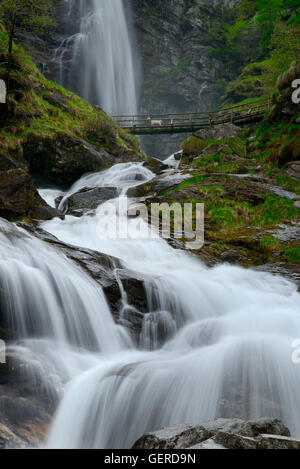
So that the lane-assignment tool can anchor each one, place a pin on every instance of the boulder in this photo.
(233, 257)
(19, 198)
(219, 434)
(63, 158)
(218, 132)
(192, 147)
(177, 437)
(155, 165)
(89, 199)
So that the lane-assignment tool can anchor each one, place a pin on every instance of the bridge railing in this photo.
(238, 113)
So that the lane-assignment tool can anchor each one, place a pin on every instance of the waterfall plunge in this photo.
(102, 57)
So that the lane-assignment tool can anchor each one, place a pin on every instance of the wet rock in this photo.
(89, 199)
(163, 182)
(233, 441)
(177, 437)
(19, 198)
(277, 442)
(287, 270)
(28, 397)
(233, 257)
(220, 433)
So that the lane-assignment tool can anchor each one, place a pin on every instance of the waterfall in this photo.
(101, 67)
(216, 342)
(57, 317)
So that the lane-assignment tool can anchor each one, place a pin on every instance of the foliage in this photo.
(28, 15)
(101, 127)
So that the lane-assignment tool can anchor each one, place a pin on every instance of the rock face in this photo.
(19, 198)
(179, 74)
(222, 434)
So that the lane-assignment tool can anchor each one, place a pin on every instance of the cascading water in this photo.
(58, 317)
(104, 51)
(216, 342)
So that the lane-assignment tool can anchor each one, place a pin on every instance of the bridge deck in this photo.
(183, 123)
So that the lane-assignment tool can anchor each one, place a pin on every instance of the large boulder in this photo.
(155, 165)
(88, 199)
(218, 132)
(63, 158)
(221, 434)
(19, 198)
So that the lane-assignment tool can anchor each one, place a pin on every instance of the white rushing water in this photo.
(216, 341)
(102, 56)
(59, 317)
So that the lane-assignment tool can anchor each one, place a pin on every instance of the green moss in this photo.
(270, 242)
(293, 255)
(193, 145)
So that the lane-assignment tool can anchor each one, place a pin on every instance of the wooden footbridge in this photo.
(146, 124)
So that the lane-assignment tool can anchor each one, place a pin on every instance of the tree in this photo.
(268, 13)
(28, 15)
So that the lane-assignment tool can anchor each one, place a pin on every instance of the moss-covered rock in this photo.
(155, 165)
(62, 157)
(193, 146)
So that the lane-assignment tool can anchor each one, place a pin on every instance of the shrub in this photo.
(102, 128)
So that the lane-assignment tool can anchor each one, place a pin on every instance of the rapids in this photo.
(216, 341)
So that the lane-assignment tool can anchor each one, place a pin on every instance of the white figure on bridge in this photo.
(154, 122)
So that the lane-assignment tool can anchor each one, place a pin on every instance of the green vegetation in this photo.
(293, 255)
(273, 27)
(39, 106)
(26, 15)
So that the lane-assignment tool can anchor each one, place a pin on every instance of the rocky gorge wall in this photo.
(179, 74)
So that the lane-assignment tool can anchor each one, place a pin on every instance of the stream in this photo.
(215, 342)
